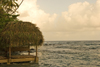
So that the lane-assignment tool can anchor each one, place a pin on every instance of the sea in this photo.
(65, 54)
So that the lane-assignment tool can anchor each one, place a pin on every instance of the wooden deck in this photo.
(18, 58)
(3, 59)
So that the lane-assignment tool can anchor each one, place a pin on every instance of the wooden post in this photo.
(9, 58)
(29, 50)
(36, 58)
(36, 50)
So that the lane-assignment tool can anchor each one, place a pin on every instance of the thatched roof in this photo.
(20, 34)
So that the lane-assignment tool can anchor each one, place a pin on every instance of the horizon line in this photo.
(71, 40)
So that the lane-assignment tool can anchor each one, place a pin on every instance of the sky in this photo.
(63, 20)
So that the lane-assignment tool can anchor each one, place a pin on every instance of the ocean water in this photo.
(66, 54)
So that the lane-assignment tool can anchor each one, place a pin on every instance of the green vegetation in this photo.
(8, 12)
(5, 18)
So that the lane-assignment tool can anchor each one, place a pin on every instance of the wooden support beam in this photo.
(9, 58)
(9, 52)
(36, 58)
(36, 50)
(22, 59)
(29, 50)
(3, 60)
(18, 49)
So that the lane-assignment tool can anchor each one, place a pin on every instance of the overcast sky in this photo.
(64, 19)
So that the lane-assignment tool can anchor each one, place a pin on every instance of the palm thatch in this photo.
(20, 34)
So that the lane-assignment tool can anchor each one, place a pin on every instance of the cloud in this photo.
(81, 21)
(82, 16)
(29, 11)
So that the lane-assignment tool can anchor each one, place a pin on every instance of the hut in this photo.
(19, 36)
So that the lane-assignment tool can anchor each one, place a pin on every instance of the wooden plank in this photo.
(4, 61)
(22, 60)
(19, 49)
(2, 57)
(22, 56)
(19, 60)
